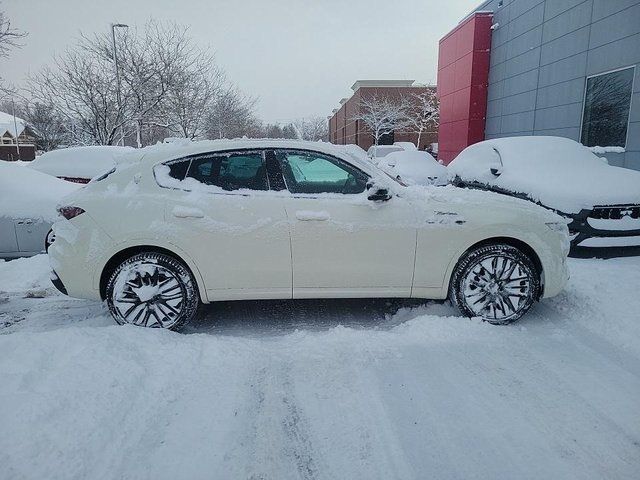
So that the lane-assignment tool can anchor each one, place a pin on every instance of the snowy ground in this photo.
(323, 390)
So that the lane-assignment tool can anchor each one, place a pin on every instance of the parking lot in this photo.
(323, 389)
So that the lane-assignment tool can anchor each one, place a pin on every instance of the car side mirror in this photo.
(378, 194)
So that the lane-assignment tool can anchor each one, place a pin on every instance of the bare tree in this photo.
(383, 115)
(231, 115)
(50, 130)
(82, 90)
(168, 87)
(313, 129)
(425, 113)
(9, 36)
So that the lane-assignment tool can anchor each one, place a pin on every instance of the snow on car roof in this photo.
(557, 172)
(27, 193)
(168, 151)
(79, 162)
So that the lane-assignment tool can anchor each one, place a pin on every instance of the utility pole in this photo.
(115, 62)
(15, 126)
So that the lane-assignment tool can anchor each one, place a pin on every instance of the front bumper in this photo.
(585, 235)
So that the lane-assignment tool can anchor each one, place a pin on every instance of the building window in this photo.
(606, 109)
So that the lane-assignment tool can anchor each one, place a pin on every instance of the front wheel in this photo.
(152, 290)
(498, 283)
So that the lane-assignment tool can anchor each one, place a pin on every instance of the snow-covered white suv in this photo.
(274, 219)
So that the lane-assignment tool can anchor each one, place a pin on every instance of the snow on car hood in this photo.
(557, 172)
(26, 193)
(79, 162)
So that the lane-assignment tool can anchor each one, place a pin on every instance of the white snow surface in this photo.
(323, 389)
(414, 168)
(80, 162)
(29, 193)
(557, 172)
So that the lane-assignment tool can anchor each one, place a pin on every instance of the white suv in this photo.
(273, 219)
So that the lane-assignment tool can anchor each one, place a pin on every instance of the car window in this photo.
(316, 173)
(178, 170)
(233, 171)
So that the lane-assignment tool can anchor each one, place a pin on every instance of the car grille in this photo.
(616, 213)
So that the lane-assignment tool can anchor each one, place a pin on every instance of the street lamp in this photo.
(115, 61)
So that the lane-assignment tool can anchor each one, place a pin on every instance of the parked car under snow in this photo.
(79, 164)
(414, 168)
(600, 201)
(27, 209)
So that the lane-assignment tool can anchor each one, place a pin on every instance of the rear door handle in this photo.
(187, 212)
(311, 216)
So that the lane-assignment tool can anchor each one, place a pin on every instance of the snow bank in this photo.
(414, 168)
(79, 162)
(557, 172)
(28, 193)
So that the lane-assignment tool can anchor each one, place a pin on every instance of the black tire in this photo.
(497, 282)
(152, 290)
(49, 239)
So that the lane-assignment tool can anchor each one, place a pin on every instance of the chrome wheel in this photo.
(497, 287)
(148, 295)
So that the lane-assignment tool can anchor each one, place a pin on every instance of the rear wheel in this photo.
(498, 283)
(152, 290)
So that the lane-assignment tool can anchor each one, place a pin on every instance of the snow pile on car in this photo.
(414, 168)
(557, 172)
(31, 194)
(79, 162)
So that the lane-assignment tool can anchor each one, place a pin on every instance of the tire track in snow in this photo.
(279, 432)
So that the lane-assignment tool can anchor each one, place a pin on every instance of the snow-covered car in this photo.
(601, 202)
(414, 168)
(279, 219)
(376, 152)
(28, 202)
(79, 164)
(409, 146)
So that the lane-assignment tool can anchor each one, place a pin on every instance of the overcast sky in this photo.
(299, 57)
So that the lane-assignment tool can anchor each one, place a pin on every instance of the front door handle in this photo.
(187, 212)
(312, 216)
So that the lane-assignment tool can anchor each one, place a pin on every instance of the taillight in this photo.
(70, 212)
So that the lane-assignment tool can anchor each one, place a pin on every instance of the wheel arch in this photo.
(527, 249)
(128, 252)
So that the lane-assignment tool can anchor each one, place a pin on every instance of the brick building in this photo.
(343, 129)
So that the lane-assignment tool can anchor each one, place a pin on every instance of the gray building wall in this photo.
(541, 55)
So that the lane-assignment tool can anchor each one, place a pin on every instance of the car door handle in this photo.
(311, 216)
(187, 212)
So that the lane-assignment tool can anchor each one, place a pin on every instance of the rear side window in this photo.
(178, 170)
(236, 171)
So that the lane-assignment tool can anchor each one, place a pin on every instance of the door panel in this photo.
(240, 243)
(8, 241)
(31, 234)
(232, 225)
(351, 247)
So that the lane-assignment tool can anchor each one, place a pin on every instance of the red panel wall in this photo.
(463, 77)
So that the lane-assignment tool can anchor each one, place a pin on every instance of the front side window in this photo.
(235, 171)
(315, 173)
(606, 109)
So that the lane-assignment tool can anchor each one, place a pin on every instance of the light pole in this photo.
(115, 62)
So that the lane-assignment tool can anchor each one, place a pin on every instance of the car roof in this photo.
(162, 152)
